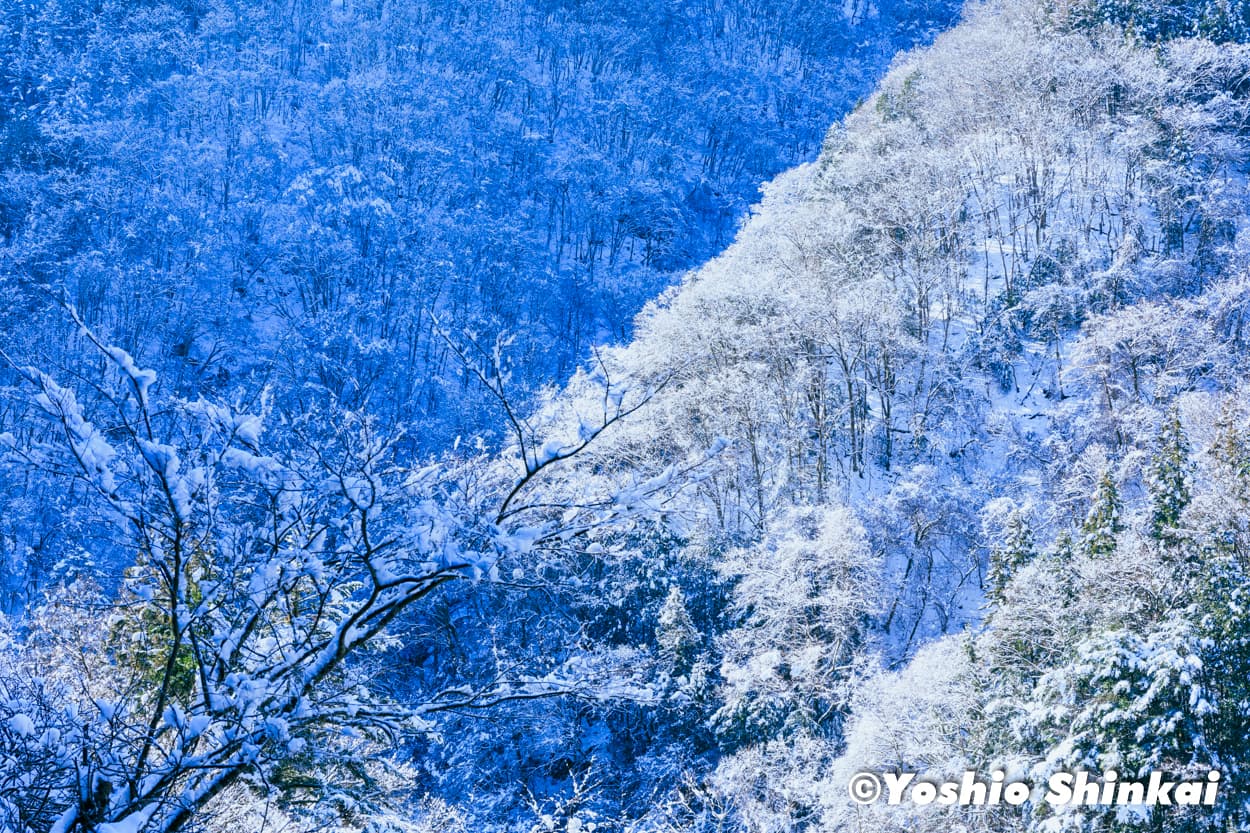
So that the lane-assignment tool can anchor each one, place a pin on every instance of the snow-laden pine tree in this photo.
(1015, 549)
(1102, 524)
(1168, 477)
(676, 635)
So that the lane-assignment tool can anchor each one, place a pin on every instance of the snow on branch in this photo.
(259, 575)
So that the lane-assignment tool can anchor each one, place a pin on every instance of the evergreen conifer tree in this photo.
(1014, 551)
(676, 634)
(1103, 523)
(1168, 478)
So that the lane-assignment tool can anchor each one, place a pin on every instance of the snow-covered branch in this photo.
(258, 576)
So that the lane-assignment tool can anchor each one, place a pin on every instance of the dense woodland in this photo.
(343, 490)
(310, 196)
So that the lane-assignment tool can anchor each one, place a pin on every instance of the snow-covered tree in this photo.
(1014, 549)
(1103, 523)
(802, 601)
(675, 633)
(261, 577)
(1168, 477)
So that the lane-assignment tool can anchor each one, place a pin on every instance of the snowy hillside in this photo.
(994, 282)
(941, 466)
(1001, 320)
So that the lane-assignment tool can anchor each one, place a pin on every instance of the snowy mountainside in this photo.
(899, 325)
(1001, 320)
(942, 465)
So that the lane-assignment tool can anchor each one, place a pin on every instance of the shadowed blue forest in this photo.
(303, 191)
